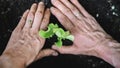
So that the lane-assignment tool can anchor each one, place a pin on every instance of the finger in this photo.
(45, 20)
(64, 49)
(74, 10)
(46, 52)
(30, 16)
(62, 18)
(38, 16)
(66, 11)
(81, 9)
(23, 20)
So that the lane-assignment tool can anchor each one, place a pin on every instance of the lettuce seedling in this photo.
(54, 29)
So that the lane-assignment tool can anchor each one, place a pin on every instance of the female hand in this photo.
(25, 44)
(88, 34)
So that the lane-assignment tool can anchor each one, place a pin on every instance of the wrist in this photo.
(109, 50)
(8, 62)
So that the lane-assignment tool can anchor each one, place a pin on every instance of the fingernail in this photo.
(34, 4)
(27, 10)
(41, 3)
(54, 47)
(55, 54)
(52, 8)
(52, 0)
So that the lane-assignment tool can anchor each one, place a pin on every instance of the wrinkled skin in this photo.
(90, 38)
(25, 45)
(87, 32)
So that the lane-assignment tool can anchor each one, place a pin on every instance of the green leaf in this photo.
(52, 26)
(59, 32)
(46, 34)
(70, 37)
(67, 33)
(49, 33)
(59, 42)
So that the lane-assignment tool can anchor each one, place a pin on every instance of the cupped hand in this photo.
(25, 45)
(87, 32)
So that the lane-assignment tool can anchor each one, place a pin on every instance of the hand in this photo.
(87, 32)
(25, 44)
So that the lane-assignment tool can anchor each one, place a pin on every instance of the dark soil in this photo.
(107, 13)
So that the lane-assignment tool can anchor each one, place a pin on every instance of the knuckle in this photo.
(23, 19)
(73, 8)
(61, 51)
(33, 32)
(67, 11)
(90, 17)
(39, 12)
(44, 21)
(25, 31)
(15, 30)
(55, 2)
(79, 21)
(44, 53)
(62, 17)
(31, 14)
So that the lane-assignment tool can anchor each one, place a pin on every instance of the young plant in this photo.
(54, 29)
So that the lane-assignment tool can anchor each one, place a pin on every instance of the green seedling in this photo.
(54, 29)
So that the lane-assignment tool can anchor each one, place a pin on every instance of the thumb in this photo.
(46, 52)
(65, 49)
